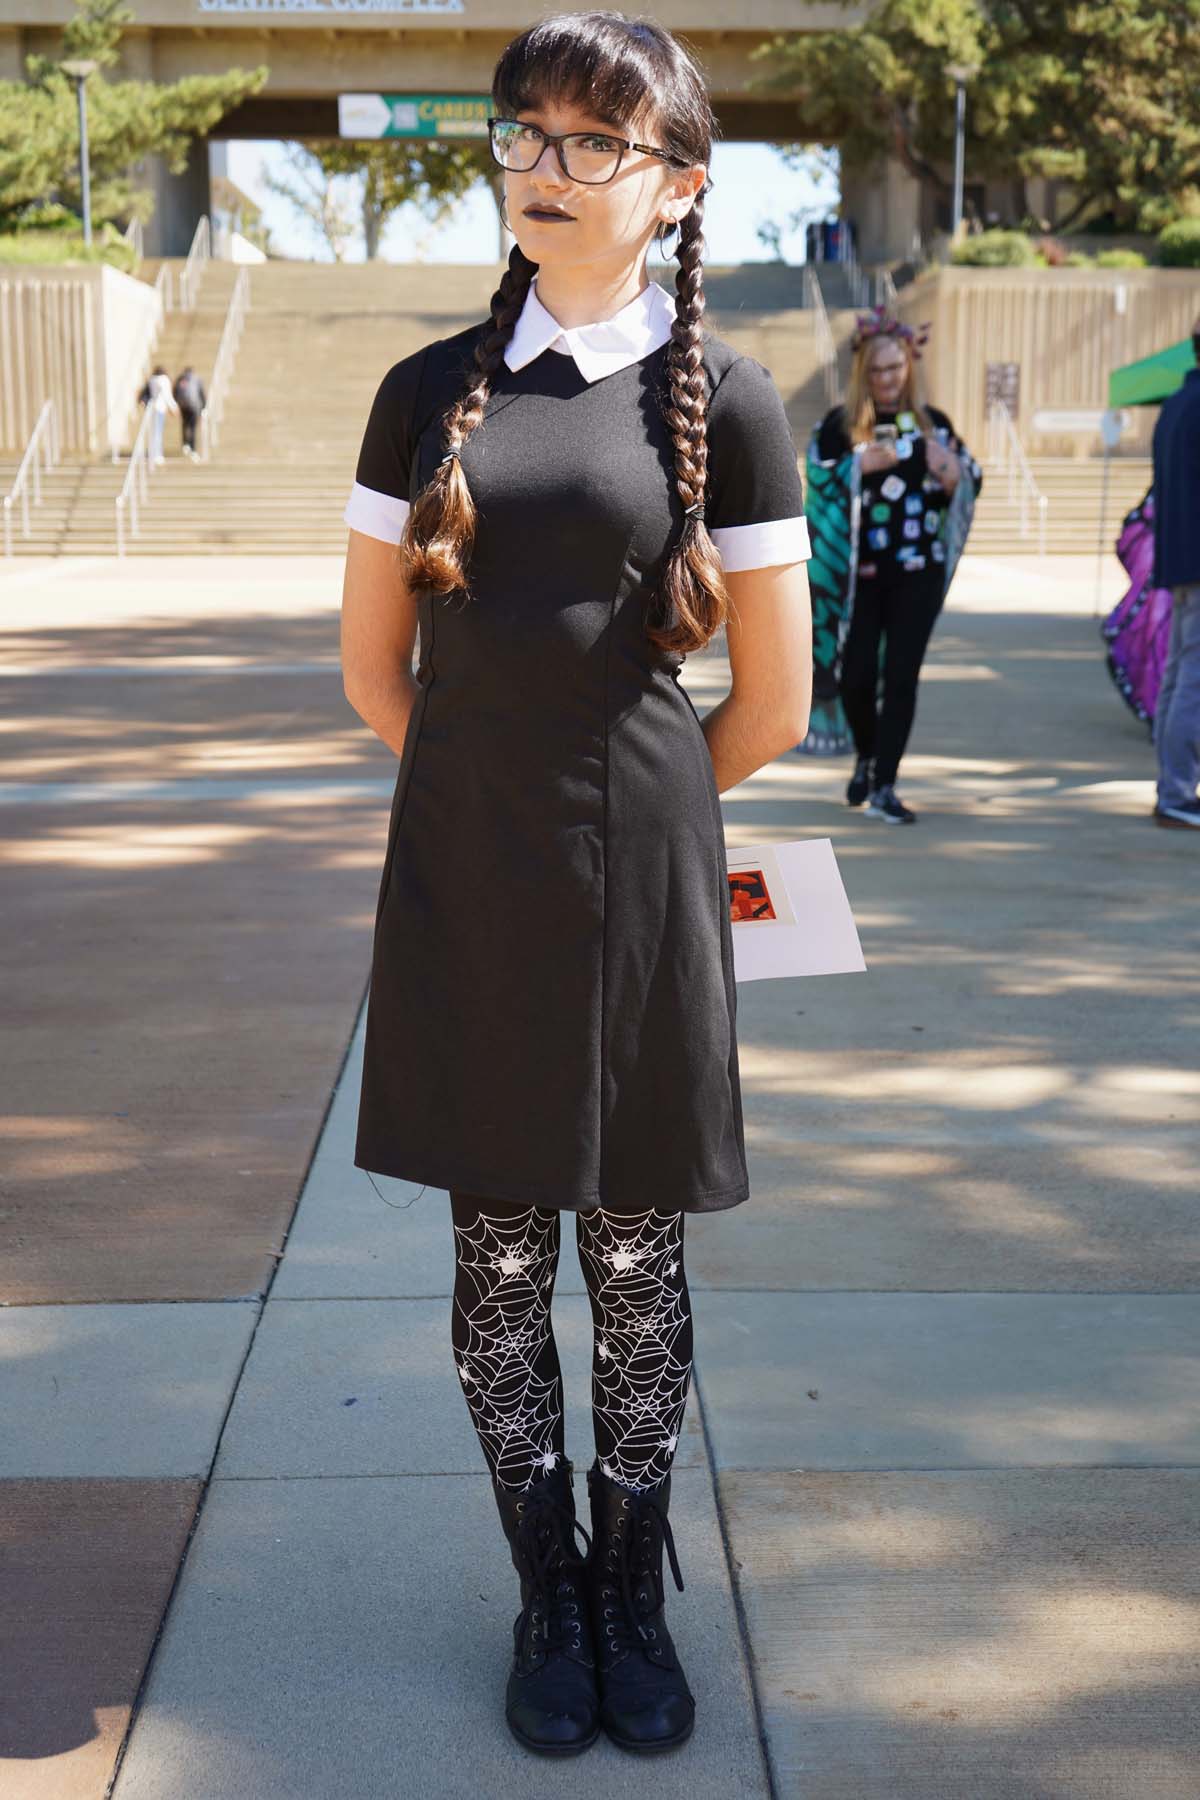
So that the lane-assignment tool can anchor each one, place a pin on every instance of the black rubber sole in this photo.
(641, 1749)
(553, 1749)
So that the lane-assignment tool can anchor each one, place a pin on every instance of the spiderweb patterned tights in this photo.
(506, 1259)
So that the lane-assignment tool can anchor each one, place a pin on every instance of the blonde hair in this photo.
(860, 408)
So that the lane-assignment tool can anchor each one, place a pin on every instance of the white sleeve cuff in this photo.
(379, 515)
(762, 546)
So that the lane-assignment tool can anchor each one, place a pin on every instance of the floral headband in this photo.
(879, 323)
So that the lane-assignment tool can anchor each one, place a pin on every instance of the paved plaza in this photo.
(936, 1501)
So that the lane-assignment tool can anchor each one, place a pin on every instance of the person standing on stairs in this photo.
(191, 399)
(157, 396)
(565, 500)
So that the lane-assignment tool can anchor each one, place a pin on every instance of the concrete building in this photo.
(316, 50)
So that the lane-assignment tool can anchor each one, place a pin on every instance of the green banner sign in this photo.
(413, 115)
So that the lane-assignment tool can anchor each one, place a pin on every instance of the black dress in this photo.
(552, 1005)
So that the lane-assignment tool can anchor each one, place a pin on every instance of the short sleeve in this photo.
(754, 505)
(378, 503)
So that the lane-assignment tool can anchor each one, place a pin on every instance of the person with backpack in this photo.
(191, 400)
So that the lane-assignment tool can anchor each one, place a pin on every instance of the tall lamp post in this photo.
(960, 74)
(79, 70)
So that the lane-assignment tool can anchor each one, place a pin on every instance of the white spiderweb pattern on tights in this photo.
(502, 1300)
(641, 1365)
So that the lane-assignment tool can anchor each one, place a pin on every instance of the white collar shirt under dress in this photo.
(643, 326)
(551, 1015)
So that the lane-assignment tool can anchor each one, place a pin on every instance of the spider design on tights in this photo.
(511, 1264)
(640, 1379)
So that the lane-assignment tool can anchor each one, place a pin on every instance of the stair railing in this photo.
(44, 442)
(198, 258)
(1006, 453)
(222, 372)
(135, 489)
(826, 349)
(885, 290)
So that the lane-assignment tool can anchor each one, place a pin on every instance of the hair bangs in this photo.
(600, 62)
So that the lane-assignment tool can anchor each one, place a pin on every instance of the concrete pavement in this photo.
(937, 1493)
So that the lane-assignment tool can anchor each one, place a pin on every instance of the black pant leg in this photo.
(860, 665)
(910, 604)
(642, 1345)
(505, 1263)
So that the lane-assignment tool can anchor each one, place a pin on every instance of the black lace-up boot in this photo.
(551, 1702)
(645, 1701)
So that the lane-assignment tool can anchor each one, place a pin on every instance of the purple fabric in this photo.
(1137, 629)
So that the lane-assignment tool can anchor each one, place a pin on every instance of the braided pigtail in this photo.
(693, 599)
(440, 529)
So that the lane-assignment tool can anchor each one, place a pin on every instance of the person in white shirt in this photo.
(157, 396)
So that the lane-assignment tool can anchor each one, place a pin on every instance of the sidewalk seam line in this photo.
(206, 1480)
(735, 1589)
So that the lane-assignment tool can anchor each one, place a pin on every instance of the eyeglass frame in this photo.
(558, 139)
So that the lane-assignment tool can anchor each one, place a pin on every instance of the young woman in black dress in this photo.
(912, 461)
(565, 500)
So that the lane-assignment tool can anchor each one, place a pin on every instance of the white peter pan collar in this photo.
(599, 349)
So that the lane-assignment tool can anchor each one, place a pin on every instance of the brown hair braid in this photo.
(692, 596)
(625, 70)
(440, 529)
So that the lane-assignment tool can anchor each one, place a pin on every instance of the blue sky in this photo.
(750, 183)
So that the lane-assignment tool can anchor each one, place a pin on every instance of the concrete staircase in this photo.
(78, 516)
(1075, 491)
(317, 339)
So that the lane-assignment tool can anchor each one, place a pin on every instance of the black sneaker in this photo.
(1184, 813)
(885, 803)
(859, 785)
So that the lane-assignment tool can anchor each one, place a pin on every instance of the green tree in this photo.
(127, 120)
(1103, 94)
(432, 173)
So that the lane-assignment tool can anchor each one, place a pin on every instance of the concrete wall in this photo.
(1066, 329)
(80, 337)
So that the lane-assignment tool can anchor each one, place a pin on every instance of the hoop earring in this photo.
(504, 215)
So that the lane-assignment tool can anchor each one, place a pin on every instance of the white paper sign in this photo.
(790, 911)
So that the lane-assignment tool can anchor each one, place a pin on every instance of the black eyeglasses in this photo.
(588, 156)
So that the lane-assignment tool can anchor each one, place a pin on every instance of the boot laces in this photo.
(547, 1539)
(636, 1569)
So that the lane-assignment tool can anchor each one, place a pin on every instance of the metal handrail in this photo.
(135, 489)
(814, 301)
(198, 258)
(46, 432)
(135, 238)
(222, 372)
(860, 287)
(885, 290)
(142, 353)
(1007, 453)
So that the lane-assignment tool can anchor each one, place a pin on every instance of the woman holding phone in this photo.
(890, 479)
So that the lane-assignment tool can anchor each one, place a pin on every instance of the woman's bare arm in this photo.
(379, 633)
(769, 637)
